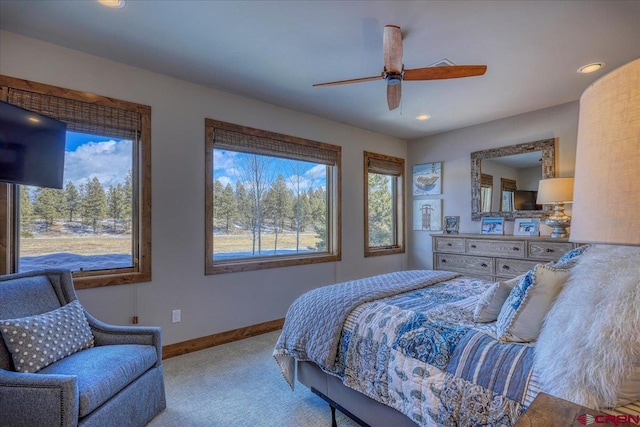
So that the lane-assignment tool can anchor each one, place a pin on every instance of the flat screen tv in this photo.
(31, 147)
(525, 200)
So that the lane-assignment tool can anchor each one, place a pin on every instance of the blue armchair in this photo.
(115, 380)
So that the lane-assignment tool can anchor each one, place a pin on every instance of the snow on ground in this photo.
(74, 262)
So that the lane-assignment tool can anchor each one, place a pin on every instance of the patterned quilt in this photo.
(421, 353)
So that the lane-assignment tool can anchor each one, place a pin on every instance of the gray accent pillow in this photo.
(492, 300)
(522, 314)
(37, 341)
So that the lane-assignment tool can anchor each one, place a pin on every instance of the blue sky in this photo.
(227, 168)
(86, 156)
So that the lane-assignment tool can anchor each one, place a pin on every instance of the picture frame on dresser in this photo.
(526, 227)
(492, 225)
(451, 224)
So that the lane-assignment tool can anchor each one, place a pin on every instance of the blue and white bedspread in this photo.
(421, 353)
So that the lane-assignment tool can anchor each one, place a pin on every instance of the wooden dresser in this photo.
(494, 257)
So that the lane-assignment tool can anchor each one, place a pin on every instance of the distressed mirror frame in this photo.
(546, 146)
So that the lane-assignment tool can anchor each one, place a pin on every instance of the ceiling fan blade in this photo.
(346, 82)
(394, 92)
(444, 72)
(392, 48)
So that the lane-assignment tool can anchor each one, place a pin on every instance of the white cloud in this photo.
(109, 161)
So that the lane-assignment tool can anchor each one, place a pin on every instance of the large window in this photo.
(383, 204)
(271, 200)
(98, 226)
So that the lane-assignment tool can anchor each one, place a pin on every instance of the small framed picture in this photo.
(526, 227)
(493, 225)
(451, 224)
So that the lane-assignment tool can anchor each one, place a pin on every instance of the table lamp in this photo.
(606, 202)
(556, 192)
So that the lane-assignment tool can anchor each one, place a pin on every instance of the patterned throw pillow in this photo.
(37, 341)
(521, 316)
(492, 300)
(570, 259)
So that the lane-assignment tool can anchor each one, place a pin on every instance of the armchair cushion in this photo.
(40, 340)
(103, 371)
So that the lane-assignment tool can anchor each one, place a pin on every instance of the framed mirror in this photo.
(504, 181)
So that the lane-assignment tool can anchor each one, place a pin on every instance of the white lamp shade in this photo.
(555, 190)
(606, 202)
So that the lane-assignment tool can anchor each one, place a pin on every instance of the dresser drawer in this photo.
(513, 267)
(474, 265)
(509, 248)
(447, 244)
(550, 251)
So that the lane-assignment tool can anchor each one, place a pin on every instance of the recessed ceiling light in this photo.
(590, 68)
(423, 117)
(116, 4)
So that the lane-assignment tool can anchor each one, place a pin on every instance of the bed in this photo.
(412, 347)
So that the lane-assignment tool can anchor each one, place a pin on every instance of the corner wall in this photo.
(217, 303)
(454, 150)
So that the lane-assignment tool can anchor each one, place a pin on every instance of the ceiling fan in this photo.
(394, 72)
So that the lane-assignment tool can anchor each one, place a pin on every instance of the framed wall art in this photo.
(427, 179)
(427, 215)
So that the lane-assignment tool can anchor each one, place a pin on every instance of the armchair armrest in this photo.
(106, 334)
(38, 399)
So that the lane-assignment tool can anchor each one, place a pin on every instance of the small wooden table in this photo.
(551, 411)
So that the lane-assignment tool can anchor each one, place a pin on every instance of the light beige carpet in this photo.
(238, 385)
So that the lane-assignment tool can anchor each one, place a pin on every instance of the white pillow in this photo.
(491, 300)
(521, 316)
(37, 341)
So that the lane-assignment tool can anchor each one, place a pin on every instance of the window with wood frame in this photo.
(383, 205)
(99, 225)
(271, 200)
(508, 188)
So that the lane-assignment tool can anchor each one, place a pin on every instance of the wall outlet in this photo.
(176, 316)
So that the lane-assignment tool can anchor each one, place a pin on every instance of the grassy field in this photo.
(89, 244)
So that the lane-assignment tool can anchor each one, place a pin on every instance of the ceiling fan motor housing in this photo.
(393, 78)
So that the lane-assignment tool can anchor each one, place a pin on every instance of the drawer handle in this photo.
(515, 248)
(549, 250)
(444, 261)
(449, 244)
(505, 267)
(484, 264)
(473, 246)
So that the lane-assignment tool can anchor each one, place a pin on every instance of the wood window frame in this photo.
(141, 174)
(297, 147)
(387, 165)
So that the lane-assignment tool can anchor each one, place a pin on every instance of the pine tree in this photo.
(243, 206)
(227, 210)
(127, 202)
(26, 212)
(380, 210)
(72, 200)
(115, 203)
(47, 205)
(276, 204)
(95, 203)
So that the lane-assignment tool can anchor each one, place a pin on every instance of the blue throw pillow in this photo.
(570, 259)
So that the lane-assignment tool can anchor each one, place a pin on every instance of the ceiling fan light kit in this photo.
(394, 72)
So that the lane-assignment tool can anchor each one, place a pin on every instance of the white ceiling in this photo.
(275, 50)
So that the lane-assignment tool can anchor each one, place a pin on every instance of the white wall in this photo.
(217, 303)
(454, 150)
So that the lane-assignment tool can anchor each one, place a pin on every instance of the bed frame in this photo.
(360, 408)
